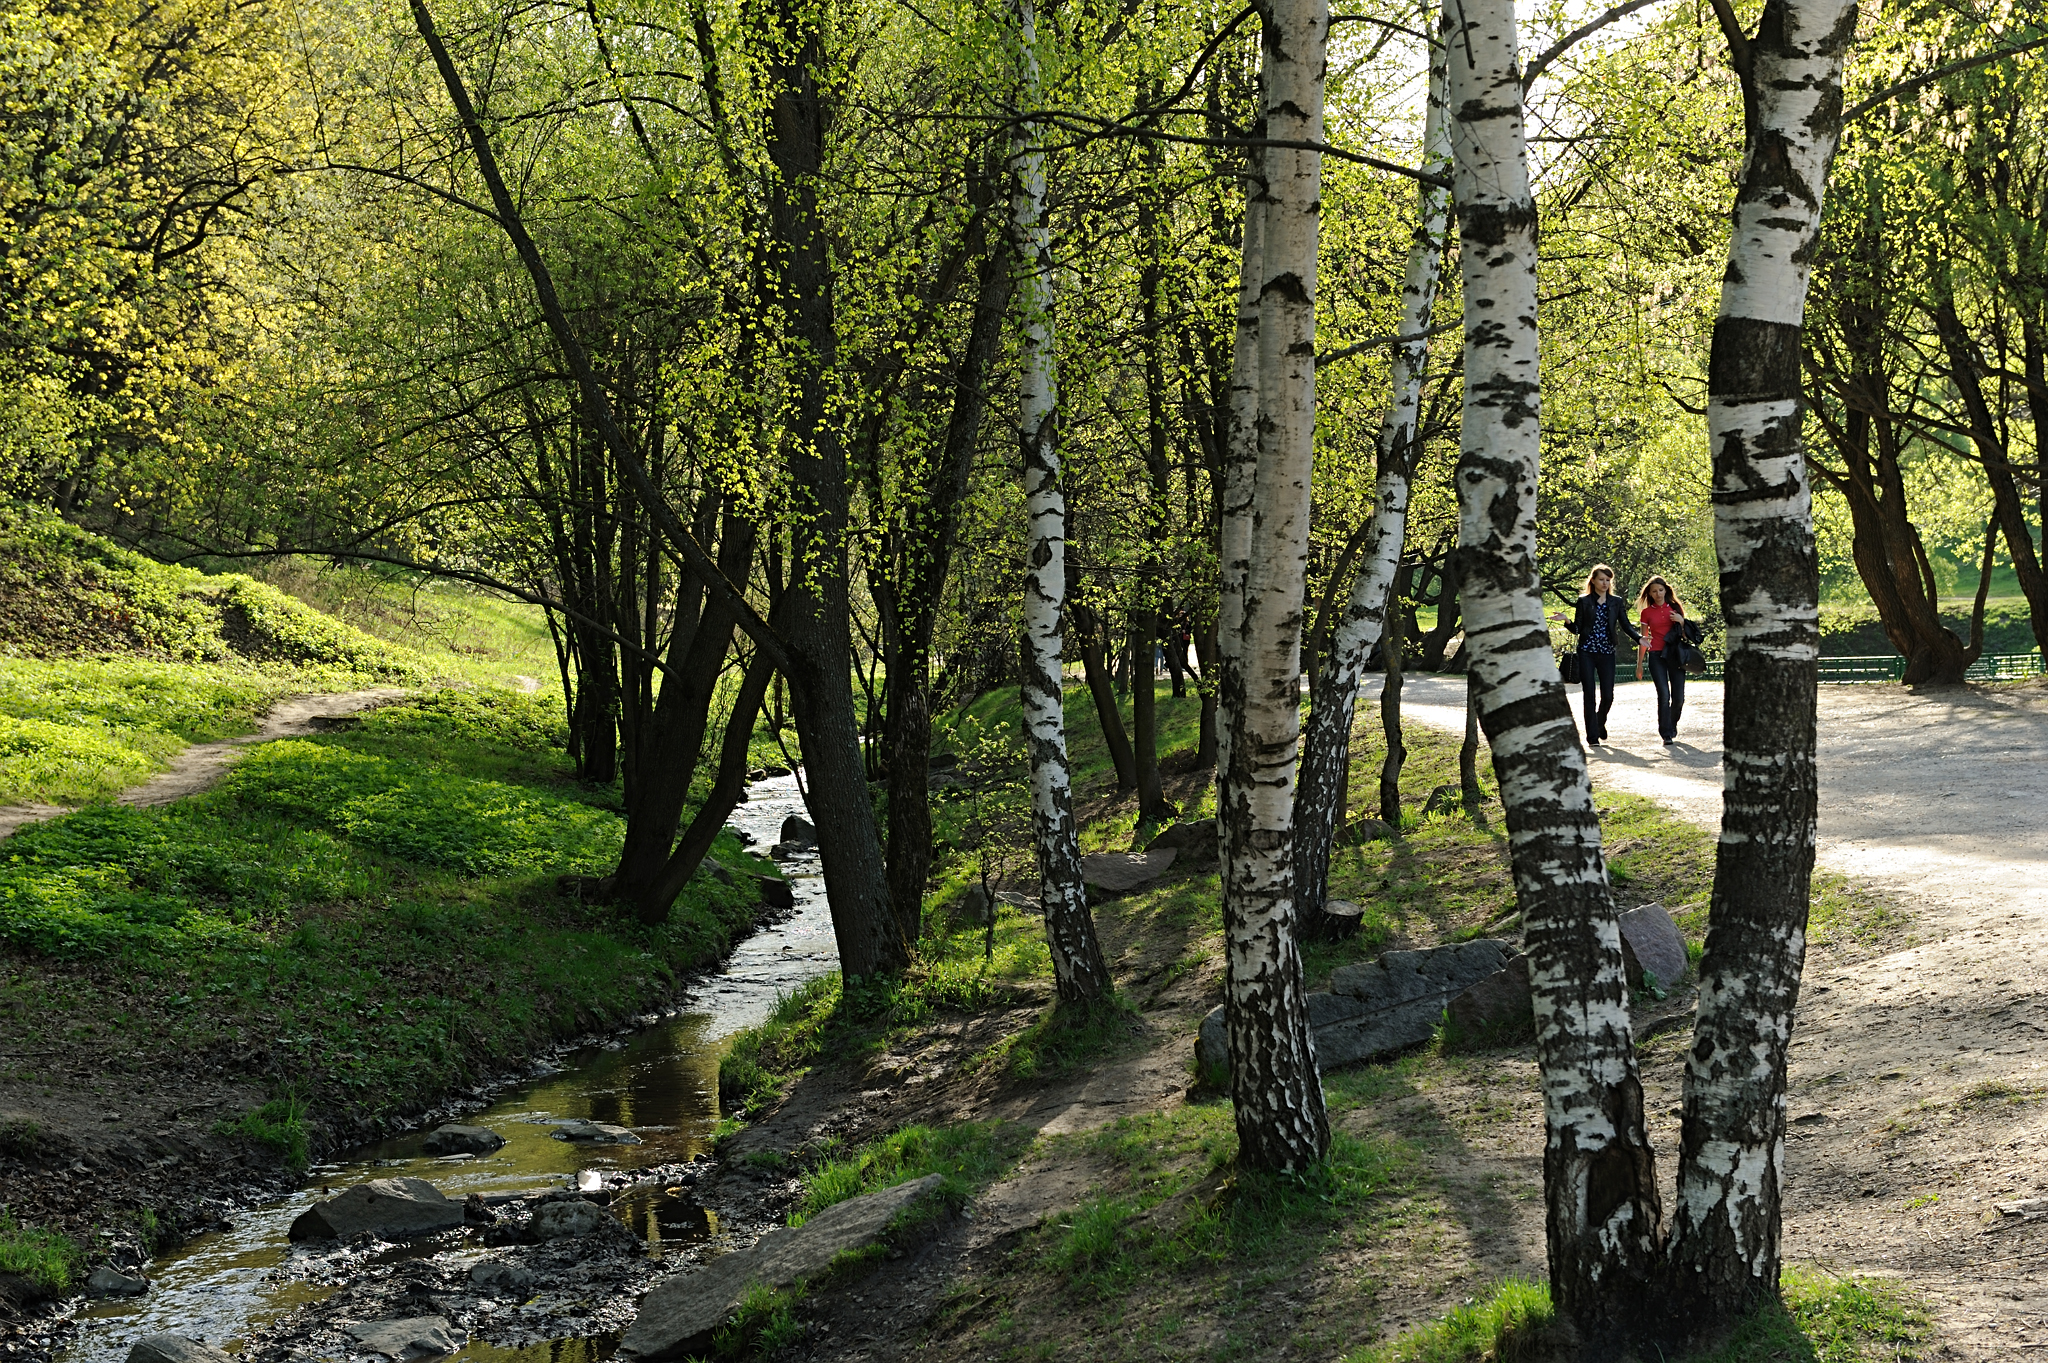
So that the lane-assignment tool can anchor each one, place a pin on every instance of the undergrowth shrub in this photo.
(47, 1258)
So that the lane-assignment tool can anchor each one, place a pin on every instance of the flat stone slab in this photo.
(408, 1340)
(1655, 945)
(679, 1315)
(1122, 872)
(456, 1139)
(174, 1349)
(598, 1133)
(388, 1208)
(1499, 1007)
(1375, 1009)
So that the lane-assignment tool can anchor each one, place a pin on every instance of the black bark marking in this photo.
(1753, 360)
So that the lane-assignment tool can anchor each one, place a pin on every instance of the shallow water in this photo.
(662, 1083)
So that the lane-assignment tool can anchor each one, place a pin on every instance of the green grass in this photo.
(1488, 1329)
(45, 1257)
(967, 1155)
(279, 1124)
(366, 916)
(1818, 1319)
(763, 1322)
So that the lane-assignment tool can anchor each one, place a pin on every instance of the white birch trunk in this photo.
(1281, 1122)
(1726, 1233)
(1599, 1179)
(1078, 969)
(1326, 746)
(1240, 463)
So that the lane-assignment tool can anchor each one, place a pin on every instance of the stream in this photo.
(226, 1286)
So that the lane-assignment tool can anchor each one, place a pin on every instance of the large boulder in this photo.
(174, 1349)
(108, 1281)
(1196, 838)
(1376, 1009)
(1651, 944)
(1498, 1008)
(560, 1220)
(678, 1317)
(457, 1139)
(797, 832)
(388, 1208)
(1121, 872)
(409, 1340)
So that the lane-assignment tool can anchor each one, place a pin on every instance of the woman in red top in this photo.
(1663, 624)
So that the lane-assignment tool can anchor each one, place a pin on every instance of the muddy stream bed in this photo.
(248, 1290)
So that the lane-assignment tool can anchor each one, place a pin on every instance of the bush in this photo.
(279, 1124)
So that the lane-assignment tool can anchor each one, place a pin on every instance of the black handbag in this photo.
(1690, 637)
(1568, 667)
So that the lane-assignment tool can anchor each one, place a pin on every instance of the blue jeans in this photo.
(1596, 674)
(1667, 674)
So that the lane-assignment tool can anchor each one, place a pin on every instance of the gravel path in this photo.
(1918, 1075)
(202, 764)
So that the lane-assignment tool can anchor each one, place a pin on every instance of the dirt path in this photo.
(1918, 1075)
(202, 764)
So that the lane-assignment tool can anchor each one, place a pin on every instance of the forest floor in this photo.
(1115, 1231)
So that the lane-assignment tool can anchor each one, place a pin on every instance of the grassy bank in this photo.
(364, 918)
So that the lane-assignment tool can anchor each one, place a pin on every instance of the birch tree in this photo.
(1078, 968)
(1281, 1121)
(1599, 1180)
(1326, 743)
(1726, 1231)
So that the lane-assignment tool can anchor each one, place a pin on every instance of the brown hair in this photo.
(1643, 601)
(1598, 569)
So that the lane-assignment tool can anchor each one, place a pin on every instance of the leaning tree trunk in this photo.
(815, 614)
(1079, 972)
(1725, 1233)
(1599, 1180)
(1326, 744)
(1281, 1121)
(1390, 726)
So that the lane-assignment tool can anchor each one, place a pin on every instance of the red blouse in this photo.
(1657, 623)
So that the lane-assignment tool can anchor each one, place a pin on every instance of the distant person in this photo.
(1599, 620)
(1663, 644)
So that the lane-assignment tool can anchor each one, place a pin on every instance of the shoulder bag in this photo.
(1568, 667)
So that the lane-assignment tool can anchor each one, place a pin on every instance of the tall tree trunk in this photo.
(1326, 745)
(727, 785)
(927, 553)
(1089, 629)
(1725, 1231)
(1079, 972)
(1274, 1084)
(1145, 615)
(1599, 1179)
(1468, 751)
(1995, 454)
(1390, 725)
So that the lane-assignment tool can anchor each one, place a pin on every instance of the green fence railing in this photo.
(1890, 668)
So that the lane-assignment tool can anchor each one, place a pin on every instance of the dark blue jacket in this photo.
(1617, 621)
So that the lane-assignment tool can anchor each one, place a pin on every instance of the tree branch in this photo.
(1907, 87)
(1577, 36)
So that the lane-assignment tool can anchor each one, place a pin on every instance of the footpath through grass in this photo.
(367, 917)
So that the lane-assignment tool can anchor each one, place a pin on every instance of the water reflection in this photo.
(662, 1084)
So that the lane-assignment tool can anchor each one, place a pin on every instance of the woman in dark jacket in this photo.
(1599, 620)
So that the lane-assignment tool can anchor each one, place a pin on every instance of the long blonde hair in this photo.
(1598, 569)
(1643, 601)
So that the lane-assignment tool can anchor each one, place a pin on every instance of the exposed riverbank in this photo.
(352, 931)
